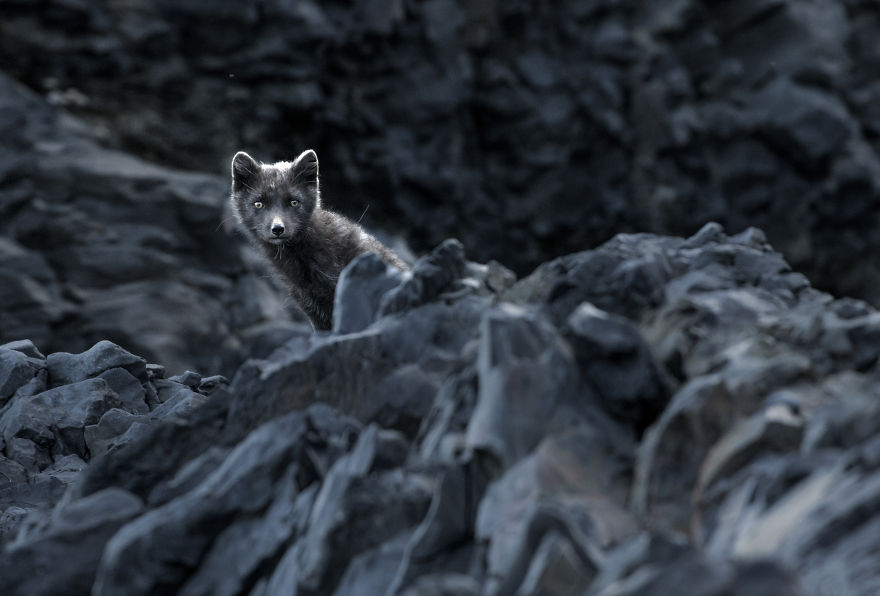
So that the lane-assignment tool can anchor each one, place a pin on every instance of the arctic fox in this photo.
(279, 207)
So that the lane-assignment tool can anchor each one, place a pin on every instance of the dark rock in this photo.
(521, 355)
(10, 520)
(812, 125)
(189, 476)
(243, 547)
(189, 378)
(617, 364)
(127, 388)
(17, 369)
(373, 571)
(237, 486)
(155, 371)
(208, 385)
(362, 285)
(557, 569)
(550, 492)
(26, 453)
(70, 368)
(557, 435)
(55, 419)
(26, 347)
(107, 433)
(175, 397)
(430, 277)
(88, 523)
(444, 585)
(352, 499)
(651, 565)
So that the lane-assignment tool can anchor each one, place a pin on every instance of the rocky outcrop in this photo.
(656, 412)
(528, 131)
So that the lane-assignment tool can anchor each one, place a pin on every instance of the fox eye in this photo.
(294, 202)
(258, 204)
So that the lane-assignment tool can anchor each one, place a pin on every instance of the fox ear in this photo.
(305, 168)
(244, 171)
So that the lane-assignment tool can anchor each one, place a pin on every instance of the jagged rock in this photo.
(555, 435)
(430, 277)
(557, 569)
(26, 347)
(55, 419)
(70, 368)
(188, 477)
(658, 567)
(556, 490)
(385, 503)
(16, 370)
(362, 285)
(88, 523)
(155, 371)
(189, 378)
(127, 388)
(210, 384)
(520, 356)
(239, 551)
(617, 364)
(444, 585)
(107, 432)
(239, 486)
(373, 571)
(175, 398)
(26, 453)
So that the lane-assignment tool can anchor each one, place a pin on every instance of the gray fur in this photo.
(315, 245)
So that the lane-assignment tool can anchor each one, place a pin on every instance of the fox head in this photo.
(274, 202)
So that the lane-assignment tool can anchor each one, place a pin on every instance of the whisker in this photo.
(223, 221)
(362, 214)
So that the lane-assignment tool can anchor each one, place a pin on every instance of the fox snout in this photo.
(276, 229)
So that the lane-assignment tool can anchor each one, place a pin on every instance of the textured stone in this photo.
(128, 389)
(55, 419)
(362, 284)
(70, 368)
(617, 364)
(107, 432)
(520, 356)
(556, 435)
(88, 523)
(239, 485)
(16, 370)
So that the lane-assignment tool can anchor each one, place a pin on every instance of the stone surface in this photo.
(17, 369)
(55, 420)
(655, 413)
(526, 132)
(103, 356)
(127, 388)
(359, 294)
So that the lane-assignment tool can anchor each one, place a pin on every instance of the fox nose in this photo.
(277, 229)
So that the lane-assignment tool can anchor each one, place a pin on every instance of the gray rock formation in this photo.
(653, 413)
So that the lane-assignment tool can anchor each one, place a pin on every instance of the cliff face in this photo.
(527, 131)
(655, 411)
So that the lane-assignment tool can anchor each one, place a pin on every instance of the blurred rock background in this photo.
(528, 130)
